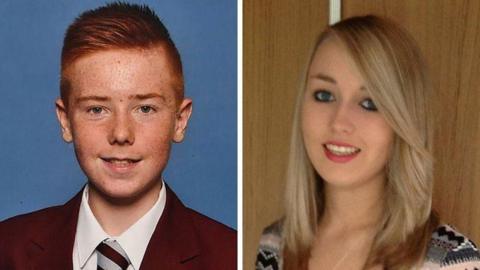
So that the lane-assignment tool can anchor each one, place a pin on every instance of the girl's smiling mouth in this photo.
(340, 152)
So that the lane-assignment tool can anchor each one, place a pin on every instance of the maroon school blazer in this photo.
(183, 239)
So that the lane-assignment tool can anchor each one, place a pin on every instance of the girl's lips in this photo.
(340, 158)
(341, 150)
(338, 143)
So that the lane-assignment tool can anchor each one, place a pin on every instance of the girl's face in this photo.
(347, 140)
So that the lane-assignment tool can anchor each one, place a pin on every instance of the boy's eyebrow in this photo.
(104, 98)
(93, 97)
(147, 96)
(324, 77)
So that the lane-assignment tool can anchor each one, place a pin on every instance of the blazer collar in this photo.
(52, 246)
(174, 242)
(173, 245)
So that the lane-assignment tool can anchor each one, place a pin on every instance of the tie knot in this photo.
(111, 256)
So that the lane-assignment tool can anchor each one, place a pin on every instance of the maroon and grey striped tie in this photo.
(111, 256)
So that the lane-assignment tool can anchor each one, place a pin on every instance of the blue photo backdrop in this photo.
(40, 170)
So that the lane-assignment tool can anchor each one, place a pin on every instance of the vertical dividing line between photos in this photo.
(239, 134)
(335, 11)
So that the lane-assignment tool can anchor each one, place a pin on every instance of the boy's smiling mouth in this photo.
(120, 164)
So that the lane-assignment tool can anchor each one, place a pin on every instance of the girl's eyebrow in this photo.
(324, 77)
(330, 79)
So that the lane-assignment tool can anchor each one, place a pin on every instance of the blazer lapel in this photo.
(52, 246)
(174, 244)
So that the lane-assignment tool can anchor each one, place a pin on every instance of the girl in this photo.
(359, 182)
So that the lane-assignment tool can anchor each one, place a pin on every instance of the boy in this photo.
(121, 105)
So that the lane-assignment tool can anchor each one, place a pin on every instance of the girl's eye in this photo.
(368, 105)
(323, 96)
(146, 109)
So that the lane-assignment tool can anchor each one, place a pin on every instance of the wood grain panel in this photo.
(448, 33)
(276, 41)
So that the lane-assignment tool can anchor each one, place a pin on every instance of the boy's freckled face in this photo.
(122, 116)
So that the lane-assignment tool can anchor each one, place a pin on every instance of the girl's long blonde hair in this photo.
(396, 79)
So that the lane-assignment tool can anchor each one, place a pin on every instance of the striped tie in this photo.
(111, 256)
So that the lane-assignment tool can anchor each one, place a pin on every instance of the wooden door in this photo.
(277, 35)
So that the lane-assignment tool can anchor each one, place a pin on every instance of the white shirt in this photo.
(134, 240)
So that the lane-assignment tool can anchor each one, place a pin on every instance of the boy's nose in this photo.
(122, 131)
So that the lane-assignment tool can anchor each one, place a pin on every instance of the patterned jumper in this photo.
(447, 250)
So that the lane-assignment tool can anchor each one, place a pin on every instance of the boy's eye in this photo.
(146, 109)
(368, 105)
(95, 110)
(323, 96)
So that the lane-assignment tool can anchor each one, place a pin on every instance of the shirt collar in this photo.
(134, 240)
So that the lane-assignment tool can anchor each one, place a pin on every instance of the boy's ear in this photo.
(62, 117)
(181, 119)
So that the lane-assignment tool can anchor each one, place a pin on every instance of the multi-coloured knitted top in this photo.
(447, 250)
